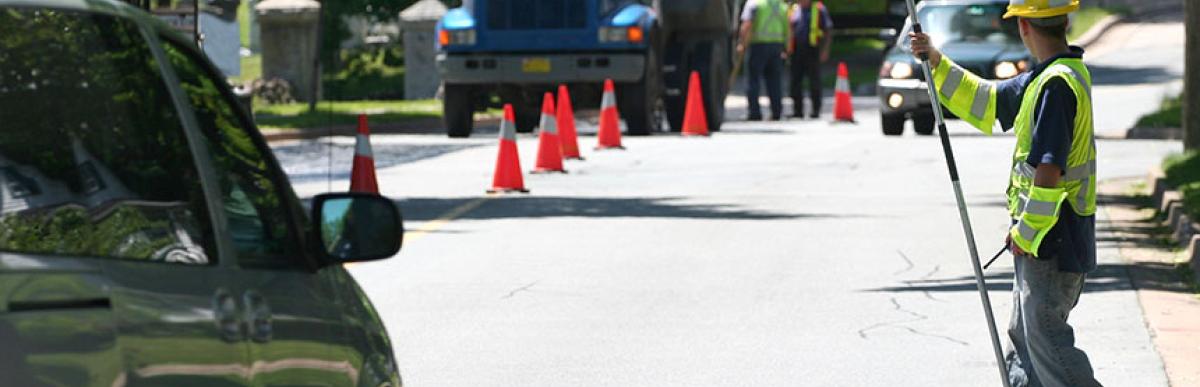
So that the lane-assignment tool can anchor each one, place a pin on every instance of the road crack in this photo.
(907, 262)
(899, 324)
(520, 289)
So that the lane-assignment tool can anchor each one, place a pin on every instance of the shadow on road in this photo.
(1106, 278)
(1109, 75)
(422, 209)
(309, 160)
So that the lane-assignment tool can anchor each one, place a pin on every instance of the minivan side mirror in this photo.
(356, 227)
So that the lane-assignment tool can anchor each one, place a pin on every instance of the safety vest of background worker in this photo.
(765, 26)
(1052, 186)
(810, 46)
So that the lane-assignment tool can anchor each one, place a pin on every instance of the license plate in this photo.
(536, 65)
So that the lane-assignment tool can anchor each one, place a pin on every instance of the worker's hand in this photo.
(1016, 250)
(919, 42)
(824, 55)
(741, 49)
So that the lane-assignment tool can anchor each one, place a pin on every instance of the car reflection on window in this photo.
(93, 160)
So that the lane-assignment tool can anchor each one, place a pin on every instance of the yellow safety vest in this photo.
(770, 22)
(1036, 209)
(814, 28)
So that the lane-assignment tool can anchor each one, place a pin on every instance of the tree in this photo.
(1191, 85)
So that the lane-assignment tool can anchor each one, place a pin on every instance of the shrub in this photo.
(1182, 169)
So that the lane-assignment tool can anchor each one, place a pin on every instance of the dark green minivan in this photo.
(148, 236)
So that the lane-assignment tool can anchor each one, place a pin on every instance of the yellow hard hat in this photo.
(1039, 9)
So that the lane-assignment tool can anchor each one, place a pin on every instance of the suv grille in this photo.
(536, 14)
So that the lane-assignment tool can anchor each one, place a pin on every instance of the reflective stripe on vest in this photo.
(770, 22)
(971, 98)
(1079, 180)
(814, 28)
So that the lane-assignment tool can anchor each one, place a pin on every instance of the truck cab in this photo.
(519, 49)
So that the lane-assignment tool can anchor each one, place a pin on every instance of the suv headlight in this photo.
(1006, 70)
(632, 34)
(464, 37)
(901, 70)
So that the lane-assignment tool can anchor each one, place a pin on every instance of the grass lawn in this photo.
(334, 113)
(1087, 17)
(1169, 115)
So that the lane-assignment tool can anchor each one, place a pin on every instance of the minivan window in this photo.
(253, 204)
(93, 157)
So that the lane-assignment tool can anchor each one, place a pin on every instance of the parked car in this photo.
(147, 234)
(972, 32)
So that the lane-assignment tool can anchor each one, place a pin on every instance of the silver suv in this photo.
(148, 236)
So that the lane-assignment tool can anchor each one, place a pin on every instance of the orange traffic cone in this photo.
(549, 155)
(566, 125)
(695, 122)
(362, 175)
(843, 108)
(508, 176)
(609, 136)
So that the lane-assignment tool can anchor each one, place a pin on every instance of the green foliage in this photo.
(368, 74)
(1182, 169)
(1191, 199)
(1169, 115)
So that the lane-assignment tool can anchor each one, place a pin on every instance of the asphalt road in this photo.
(795, 253)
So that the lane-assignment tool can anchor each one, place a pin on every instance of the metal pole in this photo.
(962, 204)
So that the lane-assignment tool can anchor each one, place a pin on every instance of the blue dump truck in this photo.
(513, 51)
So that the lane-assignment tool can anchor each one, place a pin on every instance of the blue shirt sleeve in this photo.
(826, 21)
(1054, 124)
(1008, 99)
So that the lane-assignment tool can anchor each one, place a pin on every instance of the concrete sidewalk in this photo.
(1169, 302)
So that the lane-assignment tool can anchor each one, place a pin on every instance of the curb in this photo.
(1184, 229)
(1098, 30)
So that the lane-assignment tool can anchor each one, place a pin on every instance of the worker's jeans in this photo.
(1042, 350)
(766, 64)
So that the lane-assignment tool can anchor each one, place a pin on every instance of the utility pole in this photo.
(1191, 82)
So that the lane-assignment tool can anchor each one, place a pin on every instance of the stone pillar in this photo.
(418, 22)
(288, 32)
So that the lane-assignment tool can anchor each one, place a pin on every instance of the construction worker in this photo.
(810, 41)
(1052, 186)
(765, 26)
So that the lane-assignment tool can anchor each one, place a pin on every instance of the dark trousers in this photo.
(766, 63)
(806, 64)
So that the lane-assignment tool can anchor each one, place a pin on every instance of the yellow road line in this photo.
(446, 218)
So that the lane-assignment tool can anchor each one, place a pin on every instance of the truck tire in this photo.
(458, 110)
(923, 123)
(526, 109)
(638, 101)
(893, 124)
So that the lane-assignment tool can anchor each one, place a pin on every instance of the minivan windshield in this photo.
(976, 23)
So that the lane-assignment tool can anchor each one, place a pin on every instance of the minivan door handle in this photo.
(258, 316)
(225, 312)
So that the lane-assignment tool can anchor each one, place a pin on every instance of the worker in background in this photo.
(765, 27)
(811, 39)
(1052, 185)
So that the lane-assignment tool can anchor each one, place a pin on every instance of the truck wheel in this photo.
(923, 123)
(893, 124)
(638, 101)
(458, 108)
